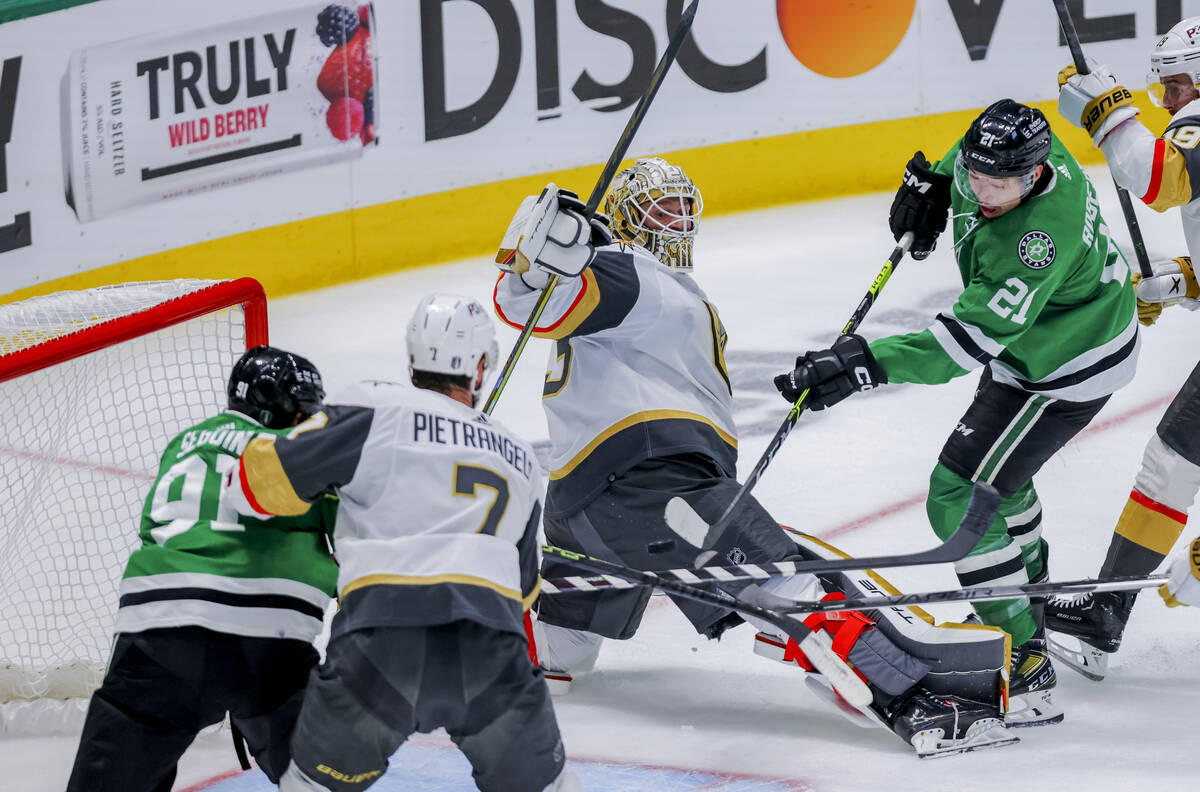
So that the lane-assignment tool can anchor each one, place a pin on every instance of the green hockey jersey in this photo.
(203, 564)
(1047, 301)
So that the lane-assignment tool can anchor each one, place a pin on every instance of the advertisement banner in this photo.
(139, 138)
(163, 116)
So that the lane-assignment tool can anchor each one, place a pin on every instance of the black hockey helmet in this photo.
(1007, 139)
(273, 386)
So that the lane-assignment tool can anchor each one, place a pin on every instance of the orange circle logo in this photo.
(843, 39)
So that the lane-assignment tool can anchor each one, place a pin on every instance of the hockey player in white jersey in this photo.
(639, 406)
(1164, 172)
(437, 544)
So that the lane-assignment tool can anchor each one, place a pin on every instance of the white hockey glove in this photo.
(1094, 102)
(1184, 586)
(550, 236)
(1173, 282)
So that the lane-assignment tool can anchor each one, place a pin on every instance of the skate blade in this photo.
(982, 734)
(864, 718)
(1085, 660)
(1033, 709)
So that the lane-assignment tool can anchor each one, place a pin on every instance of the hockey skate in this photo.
(941, 725)
(1095, 622)
(1031, 686)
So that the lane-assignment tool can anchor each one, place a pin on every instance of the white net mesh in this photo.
(79, 447)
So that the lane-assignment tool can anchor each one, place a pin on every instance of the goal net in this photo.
(93, 384)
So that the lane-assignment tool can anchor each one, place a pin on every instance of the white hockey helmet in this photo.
(1177, 52)
(644, 187)
(450, 334)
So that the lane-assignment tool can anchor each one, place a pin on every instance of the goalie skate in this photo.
(940, 725)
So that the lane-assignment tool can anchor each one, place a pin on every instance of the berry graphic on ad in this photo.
(364, 16)
(336, 25)
(345, 118)
(347, 71)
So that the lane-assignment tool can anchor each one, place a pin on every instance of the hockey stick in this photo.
(606, 177)
(1085, 586)
(1135, 231)
(680, 515)
(980, 511)
(816, 645)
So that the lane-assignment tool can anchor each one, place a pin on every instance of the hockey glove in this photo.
(1173, 282)
(1184, 586)
(1093, 101)
(921, 205)
(549, 235)
(831, 375)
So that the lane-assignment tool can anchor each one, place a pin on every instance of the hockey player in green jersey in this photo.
(1047, 309)
(217, 611)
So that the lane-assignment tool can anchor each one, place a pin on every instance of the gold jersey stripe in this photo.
(633, 420)
(585, 302)
(879, 581)
(433, 580)
(269, 485)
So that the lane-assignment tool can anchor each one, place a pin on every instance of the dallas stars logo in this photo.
(1036, 250)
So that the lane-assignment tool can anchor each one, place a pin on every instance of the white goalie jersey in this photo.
(638, 371)
(438, 505)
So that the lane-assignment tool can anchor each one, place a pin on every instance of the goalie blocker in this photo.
(943, 688)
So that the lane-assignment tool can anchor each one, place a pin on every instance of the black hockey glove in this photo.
(921, 205)
(832, 374)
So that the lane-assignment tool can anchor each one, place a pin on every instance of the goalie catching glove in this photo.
(1093, 101)
(1184, 586)
(831, 375)
(1173, 282)
(921, 206)
(549, 235)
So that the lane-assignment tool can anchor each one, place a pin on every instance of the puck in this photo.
(661, 546)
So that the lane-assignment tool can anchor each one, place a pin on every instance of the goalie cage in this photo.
(94, 383)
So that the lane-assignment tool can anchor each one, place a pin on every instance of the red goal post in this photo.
(94, 384)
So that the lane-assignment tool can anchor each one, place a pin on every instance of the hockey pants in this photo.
(625, 518)
(378, 686)
(1004, 438)
(164, 686)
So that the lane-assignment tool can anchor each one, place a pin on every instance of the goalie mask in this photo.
(274, 387)
(654, 205)
(1176, 53)
(449, 334)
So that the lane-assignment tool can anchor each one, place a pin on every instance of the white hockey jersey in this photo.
(438, 506)
(1164, 172)
(638, 371)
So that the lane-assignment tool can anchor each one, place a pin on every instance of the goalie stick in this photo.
(606, 177)
(1081, 67)
(816, 645)
(980, 511)
(980, 594)
(686, 522)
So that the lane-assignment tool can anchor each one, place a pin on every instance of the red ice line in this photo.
(914, 500)
(78, 464)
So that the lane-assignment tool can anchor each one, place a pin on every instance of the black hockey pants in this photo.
(164, 686)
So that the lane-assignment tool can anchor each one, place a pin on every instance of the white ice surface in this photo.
(785, 280)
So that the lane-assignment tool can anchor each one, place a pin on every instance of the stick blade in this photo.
(985, 502)
(683, 520)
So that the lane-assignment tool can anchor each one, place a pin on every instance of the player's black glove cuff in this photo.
(921, 205)
(831, 375)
